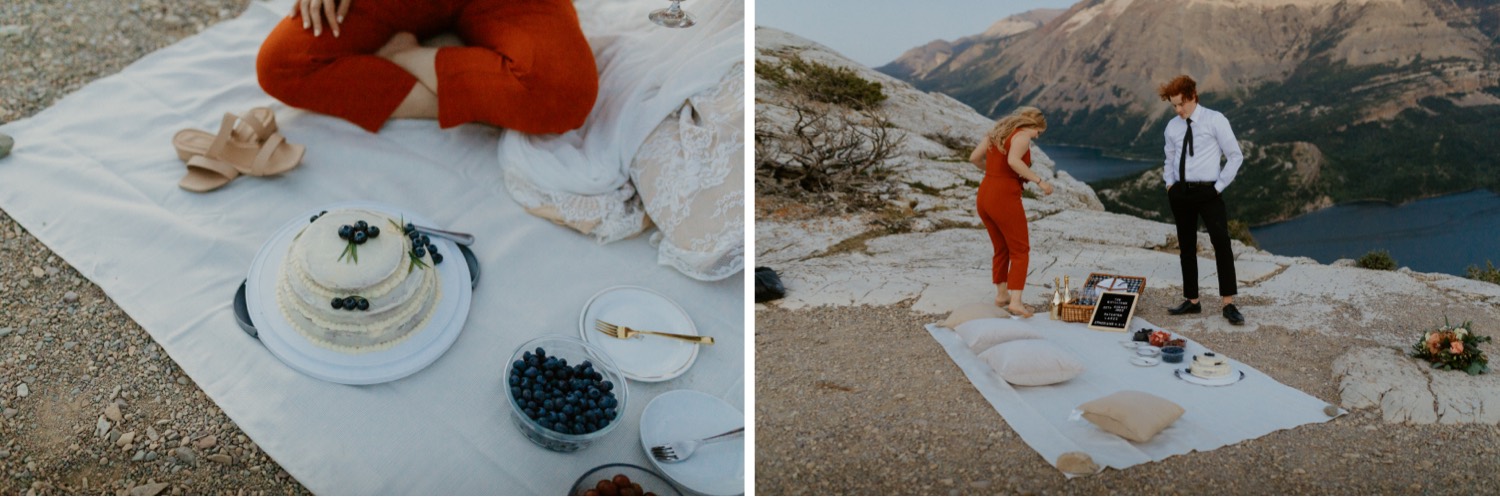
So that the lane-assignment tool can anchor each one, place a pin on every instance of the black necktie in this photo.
(1187, 149)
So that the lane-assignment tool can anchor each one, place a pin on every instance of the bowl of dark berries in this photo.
(622, 479)
(564, 393)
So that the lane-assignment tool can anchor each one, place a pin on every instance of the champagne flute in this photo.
(672, 17)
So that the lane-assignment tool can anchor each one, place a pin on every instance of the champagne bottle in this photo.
(1056, 309)
(1067, 293)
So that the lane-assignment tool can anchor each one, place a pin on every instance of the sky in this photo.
(875, 32)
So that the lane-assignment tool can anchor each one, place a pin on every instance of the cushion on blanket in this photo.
(970, 312)
(1032, 362)
(981, 334)
(1136, 416)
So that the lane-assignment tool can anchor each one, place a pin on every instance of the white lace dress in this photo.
(583, 178)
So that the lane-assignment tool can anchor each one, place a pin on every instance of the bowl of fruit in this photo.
(622, 479)
(564, 394)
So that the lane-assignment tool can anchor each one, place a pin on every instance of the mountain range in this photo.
(1333, 100)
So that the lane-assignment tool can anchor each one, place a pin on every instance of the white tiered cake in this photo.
(356, 298)
(1209, 365)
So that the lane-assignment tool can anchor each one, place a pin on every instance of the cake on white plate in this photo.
(1209, 365)
(358, 281)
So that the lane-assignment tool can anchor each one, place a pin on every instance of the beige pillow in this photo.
(1136, 416)
(970, 312)
(1032, 362)
(981, 334)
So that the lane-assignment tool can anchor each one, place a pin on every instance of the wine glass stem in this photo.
(676, 8)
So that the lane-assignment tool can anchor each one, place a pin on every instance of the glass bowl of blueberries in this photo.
(564, 394)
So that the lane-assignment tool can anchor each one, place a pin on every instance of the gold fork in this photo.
(623, 332)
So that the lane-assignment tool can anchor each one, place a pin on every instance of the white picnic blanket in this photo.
(1215, 416)
(95, 179)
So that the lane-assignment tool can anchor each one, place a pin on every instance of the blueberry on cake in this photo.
(357, 281)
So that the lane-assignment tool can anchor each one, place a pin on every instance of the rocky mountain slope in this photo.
(941, 259)
(1399, 97)
(917, 62)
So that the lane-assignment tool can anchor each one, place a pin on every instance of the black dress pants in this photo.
(1189, 202)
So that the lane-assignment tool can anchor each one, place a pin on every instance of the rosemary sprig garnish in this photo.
(352, 250)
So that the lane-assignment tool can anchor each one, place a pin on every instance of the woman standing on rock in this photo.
(1005, 156)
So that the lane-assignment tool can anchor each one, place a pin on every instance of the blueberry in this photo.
(314, 218)
(373, 231)
(423, 240)
(361, 225)
(609, 413)
(359, 237)
(419, 252)
(579, 428)
(563, 362)
(345, 231)
(594, 393)
(529, 413)
(548, 373)
(350, 303)
(515, 391)
(437, 258)
(606, 386)
(411, 228)
(338, 303)
(517, 366)
(532, 372)
(526, 394)
(609, 402)
(526, 356)
(515, 381)
(320, 214)
(413, 236)
(364, 305)
(541, 353)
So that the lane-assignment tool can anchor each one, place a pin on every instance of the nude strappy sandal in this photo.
(253, 149)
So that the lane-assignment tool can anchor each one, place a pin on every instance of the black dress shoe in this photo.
(1233, 315)
(1187, 307)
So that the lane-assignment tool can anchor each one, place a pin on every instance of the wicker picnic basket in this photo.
(1074, 312)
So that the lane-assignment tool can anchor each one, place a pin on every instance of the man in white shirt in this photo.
(1196, 140)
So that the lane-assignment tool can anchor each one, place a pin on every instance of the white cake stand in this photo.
(421, 349)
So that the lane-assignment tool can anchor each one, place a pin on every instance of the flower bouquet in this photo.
(1453, 348)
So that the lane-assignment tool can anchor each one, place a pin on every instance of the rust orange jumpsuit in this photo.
(527, 66)
(1000, 210)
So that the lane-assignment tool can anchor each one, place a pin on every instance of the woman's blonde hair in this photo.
(1021, 118)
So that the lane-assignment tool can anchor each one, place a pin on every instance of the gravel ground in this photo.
(860, 400)
(89, 403)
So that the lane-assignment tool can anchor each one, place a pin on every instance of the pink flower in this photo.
(1456, 348)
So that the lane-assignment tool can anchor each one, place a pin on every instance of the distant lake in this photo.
(1437, 235)
(1089, 165)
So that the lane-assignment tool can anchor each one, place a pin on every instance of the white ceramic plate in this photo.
(1145, 361)
(412, 355)
(1234, 377)
(645, 357)
(715, 469)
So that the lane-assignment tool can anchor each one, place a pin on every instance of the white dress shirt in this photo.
(1211, 139)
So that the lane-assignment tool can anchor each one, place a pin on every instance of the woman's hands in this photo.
(313, 13)
(1045, 186)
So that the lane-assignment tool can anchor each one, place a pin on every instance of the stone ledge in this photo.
(1406, 390)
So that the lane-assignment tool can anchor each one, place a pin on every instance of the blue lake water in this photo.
(1443, 235)
(1089, 165)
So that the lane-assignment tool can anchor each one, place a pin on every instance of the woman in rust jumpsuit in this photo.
(526, 66)
(1005, 156)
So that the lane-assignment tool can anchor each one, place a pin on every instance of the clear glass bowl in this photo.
(575, 351)
(649, 480)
